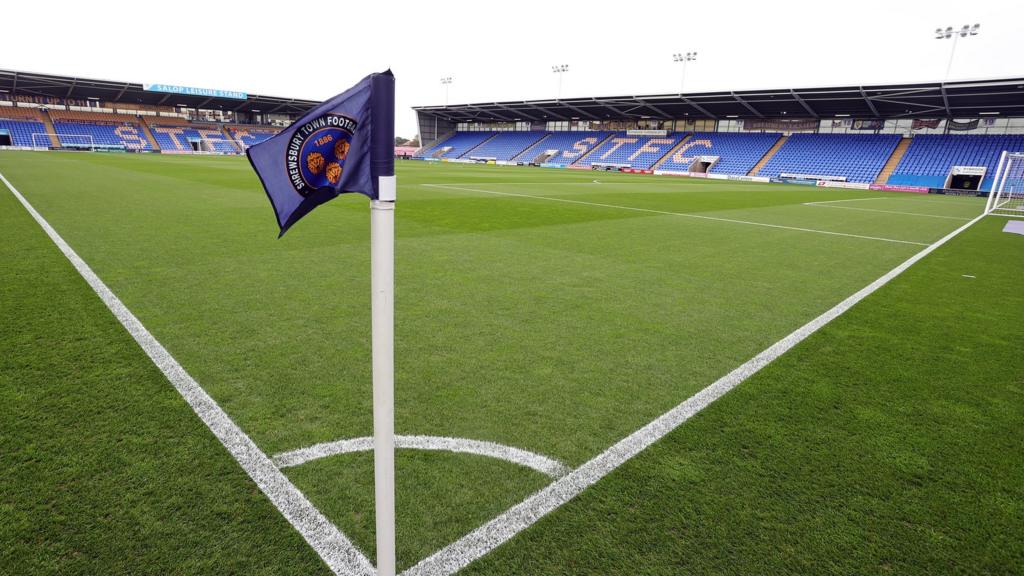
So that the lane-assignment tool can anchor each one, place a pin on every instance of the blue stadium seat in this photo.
(929, 158)
(506, 145)
(250, 136)
(737, 152)
(636, 151)
(858, 157)
(179, 138)
(460, 143)
(21, 132)
(113, 135)
(568, 146)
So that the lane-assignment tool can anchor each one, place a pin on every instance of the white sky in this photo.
(504, 51)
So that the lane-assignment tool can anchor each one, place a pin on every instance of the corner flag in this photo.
(343, 145)
(347, 145)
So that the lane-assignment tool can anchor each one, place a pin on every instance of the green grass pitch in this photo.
(555, 311)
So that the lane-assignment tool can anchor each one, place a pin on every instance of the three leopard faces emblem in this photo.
(317, 151)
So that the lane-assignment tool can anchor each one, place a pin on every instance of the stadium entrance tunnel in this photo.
(702, 164)
(965, 182)
(966, 178)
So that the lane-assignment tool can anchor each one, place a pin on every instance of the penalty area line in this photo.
(504, 527)
(821, 205)
(340, 555)
(681, 214)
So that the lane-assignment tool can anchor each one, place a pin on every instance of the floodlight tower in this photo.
(447, 81)
(684, 59)
(949, 32)
(560, 70)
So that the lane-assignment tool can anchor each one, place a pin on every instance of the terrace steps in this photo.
(893, 162)
(536, 142)
(149, 135)
(669, 154)
(44, 116)
(230, 138)
(579, 161)
(768, 155)
(518, 157)
(426, 147)
(485, 141)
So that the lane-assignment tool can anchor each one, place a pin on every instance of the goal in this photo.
(82, 141)
(1007, 195)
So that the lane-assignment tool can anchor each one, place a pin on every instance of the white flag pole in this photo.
(382, 285)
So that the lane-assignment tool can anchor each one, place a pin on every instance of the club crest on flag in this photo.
(317, 151)
(344, 145)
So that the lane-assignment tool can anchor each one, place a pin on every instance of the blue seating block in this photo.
(737, 152)
(569, 147)
(930, 157)
(114, 134)
(21, 132)
(858, 157)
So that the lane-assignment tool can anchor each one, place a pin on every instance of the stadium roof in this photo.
(30, 83)
(935, 99)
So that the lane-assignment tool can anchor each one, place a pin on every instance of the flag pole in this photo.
(382, 284)
(365, 123)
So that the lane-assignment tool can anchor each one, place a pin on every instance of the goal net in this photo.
(45, 140)
(1007, 195)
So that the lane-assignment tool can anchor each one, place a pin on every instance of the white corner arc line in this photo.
(502, 528)
(340, 555)
(538, 462)
(682, 214)
(827, 205)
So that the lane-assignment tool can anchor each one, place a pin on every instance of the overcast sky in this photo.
(504, 51)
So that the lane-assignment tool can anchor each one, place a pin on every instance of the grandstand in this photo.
(83, 114)
(913, 135)
(853, 135)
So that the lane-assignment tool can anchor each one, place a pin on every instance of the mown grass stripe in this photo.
(479, 542)
(336, 550)
(682, 214)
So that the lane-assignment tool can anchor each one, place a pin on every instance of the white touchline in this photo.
(336, 550)
(496, 532)
(828, 205)
(682, 214)
(542, 464)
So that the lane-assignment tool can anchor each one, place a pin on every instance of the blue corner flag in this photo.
(343, 145)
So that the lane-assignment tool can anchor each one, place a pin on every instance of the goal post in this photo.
(1007, 195)
(45, 140)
